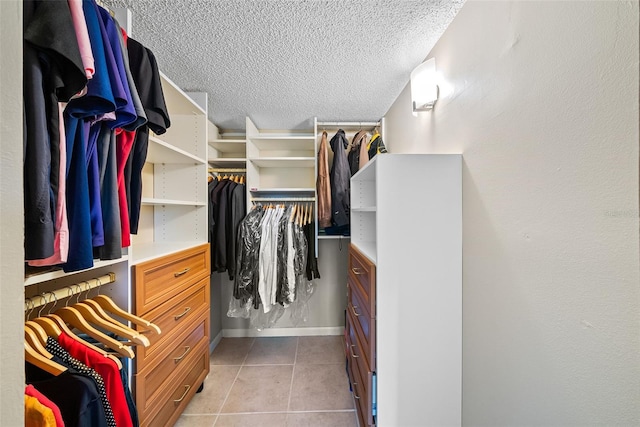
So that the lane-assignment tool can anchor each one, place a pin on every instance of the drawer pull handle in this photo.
(357, 271)
(352, 353)
(180, 273)
(186, 390)
(354, 391)
(178, 359)
(186, 310)
(353, 309)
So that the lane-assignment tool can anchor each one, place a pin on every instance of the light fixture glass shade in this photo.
(424, 88)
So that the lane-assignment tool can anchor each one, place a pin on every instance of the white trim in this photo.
(283, 332)
(214, 343)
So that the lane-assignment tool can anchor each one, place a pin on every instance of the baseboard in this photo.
(283, 332)
(213, 344)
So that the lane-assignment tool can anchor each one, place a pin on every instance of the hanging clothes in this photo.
(227, 207)
(36, 414)
(376, 146)
(30, 390)
(340, 182)
(311, 266)
(323, 184)
(77, 60)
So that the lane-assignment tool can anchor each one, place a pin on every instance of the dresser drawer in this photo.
(361, 382)
(149, 381)
(362, 277)
(179, 391)
(162, 278)
(171, 317)
(362, 325)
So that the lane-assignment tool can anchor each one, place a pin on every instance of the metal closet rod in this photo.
(283, 199)
(345, 124)
(67, 291)
(227, 170)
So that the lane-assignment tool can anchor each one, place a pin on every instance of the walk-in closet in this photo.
(319, 213)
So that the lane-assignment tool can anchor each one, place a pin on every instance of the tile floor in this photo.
(274, 381)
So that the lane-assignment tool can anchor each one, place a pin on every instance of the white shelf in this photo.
(228, 162)
(57, 274)
(365, 209)
(148, 251)
(298, 191)
(156, 202)
(332, 237)
(228, 145)
(274, 143)
(284, 162)
(163, 152)
(368, 249)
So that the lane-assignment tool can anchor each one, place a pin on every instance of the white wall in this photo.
(11, 217)
(542, 100)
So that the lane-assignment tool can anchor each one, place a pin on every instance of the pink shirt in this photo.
(80, 28)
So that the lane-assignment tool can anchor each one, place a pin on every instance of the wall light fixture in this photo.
(424, 87)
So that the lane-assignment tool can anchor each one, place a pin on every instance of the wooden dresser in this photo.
(173, 292)
(360, 339)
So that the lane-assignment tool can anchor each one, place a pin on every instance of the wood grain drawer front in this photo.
(171, 316)
(364, 327)
(180, 390)
(361, 386)
(362, 275)
(160, 279)
(149, 381)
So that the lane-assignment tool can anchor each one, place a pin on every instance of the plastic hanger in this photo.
(35, 358)
(99, 318)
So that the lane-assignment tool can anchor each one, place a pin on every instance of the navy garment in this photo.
(126, 112)
(51, 73)
(75, 395)
(340, 177)
(93, 181)
(80, 240)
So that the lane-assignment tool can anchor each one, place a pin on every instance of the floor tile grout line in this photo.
(315, 411)
(232, 384)
(293, 372)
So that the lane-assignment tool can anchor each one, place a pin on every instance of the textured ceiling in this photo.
(283, 62)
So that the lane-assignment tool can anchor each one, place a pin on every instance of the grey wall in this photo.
(542, 100)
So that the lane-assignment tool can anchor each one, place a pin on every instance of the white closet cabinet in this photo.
(171, 264)
(280, 163)
(173, 215)
(404, 315)
(224, 152)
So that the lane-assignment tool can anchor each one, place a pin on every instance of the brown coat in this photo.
(323, 185)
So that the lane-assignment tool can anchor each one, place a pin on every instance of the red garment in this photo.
(109, 372)
(33, 392)
(124, 143)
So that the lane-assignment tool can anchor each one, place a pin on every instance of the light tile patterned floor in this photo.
(274, 382)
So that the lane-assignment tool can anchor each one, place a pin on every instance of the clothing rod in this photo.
(346, 124)
(283, 199)
(67, 291)
(237, 170)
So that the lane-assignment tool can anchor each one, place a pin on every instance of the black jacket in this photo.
(339, 176)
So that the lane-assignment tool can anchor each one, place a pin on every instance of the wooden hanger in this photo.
(93, 313)
(35, 358)
(54, 326)
(73, 317)
(107, 304)
(33, 340)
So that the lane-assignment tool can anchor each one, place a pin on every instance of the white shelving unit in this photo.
(224, 152)
(173, 215)
(406, 218)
